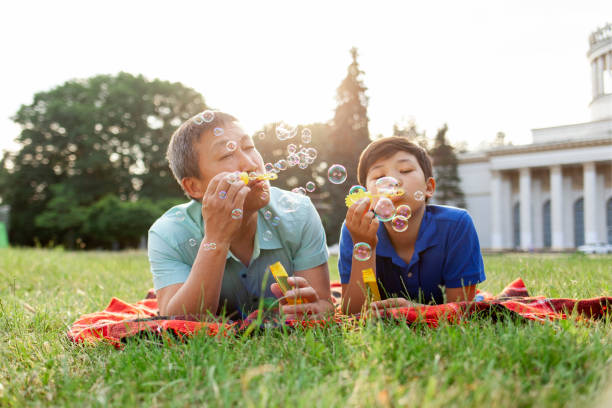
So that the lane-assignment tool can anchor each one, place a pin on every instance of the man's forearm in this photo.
(200, 292)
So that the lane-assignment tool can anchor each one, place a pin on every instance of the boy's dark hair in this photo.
(182, 155)
(387, 147)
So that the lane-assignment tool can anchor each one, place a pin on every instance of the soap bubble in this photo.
(198, 120)
(384, 209)
(293, 159)
(218, 131)
(222, 195)
(419, 195)
(337, 174)
(357, 189)
(193, 242)
(306, 135)
(269, 167)
(236, 213)
(387, 185)
(267, 236)
(399, 223)
(261, 135)
(362, 251)
(281, 164)
(303, 165)
(311, 152)
(289, 202)
(275, 221)
(264, 195)
(291, 148)
(208, 116)
(267, 214)
(282, 133)
(253, 175)
(209, 246)
(231, 145)
(299, 190)
(310, 186)
(232, 178)
(403, 211)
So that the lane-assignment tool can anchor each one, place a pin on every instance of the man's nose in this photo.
(247, 163)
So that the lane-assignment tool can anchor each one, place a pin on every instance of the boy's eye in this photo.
(405, 171)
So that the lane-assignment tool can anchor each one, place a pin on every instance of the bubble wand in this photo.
(352, 198)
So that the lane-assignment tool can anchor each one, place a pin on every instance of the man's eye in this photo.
(405, 171)
(248, 148)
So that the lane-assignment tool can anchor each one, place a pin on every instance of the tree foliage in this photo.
(90, 138)
(448, 189)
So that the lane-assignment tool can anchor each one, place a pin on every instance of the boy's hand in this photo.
(311, 307)
(362, 223)
(219, 224)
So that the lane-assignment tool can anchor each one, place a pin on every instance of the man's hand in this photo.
(362, 223)
(311, 307)
(222, 207)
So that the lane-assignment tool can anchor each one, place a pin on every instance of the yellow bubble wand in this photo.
(352, 198)
(266, 176)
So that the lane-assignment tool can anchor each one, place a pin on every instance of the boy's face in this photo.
(405, 168)
(217, 156)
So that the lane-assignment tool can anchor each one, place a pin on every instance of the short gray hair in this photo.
(182, 155)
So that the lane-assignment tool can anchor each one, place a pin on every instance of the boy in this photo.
(439, 249)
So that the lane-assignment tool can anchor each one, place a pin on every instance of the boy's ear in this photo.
(431, 187)
(194, 187)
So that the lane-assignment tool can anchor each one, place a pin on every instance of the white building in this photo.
(555, 193)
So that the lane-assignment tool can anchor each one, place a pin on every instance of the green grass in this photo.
(480, 364)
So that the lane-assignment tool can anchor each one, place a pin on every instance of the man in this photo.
(210, 256)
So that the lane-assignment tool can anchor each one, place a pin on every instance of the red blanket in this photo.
(121, 320)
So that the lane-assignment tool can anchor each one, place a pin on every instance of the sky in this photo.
(479, 66)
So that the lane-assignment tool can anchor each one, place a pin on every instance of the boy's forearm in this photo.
(355, 296)
(200, 292)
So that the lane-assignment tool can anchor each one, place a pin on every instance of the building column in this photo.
(590, 198)
(594, 79)
(556, 207)
(600, 71)
(496, 212)
(525, 200)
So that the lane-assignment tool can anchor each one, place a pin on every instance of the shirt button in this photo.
(410, 274)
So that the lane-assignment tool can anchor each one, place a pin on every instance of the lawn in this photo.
(478, 364)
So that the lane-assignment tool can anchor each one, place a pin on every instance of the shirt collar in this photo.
(425, 239)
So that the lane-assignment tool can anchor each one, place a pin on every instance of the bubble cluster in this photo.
(231, 145)
(384, 209)
(419, 195)
(362, 251)
(218, 131)
(236, 213)
(306, 135)
(284, 131)
(387, 185)
(310, 186)
(337, 174)
(222, 195)
(269, 167)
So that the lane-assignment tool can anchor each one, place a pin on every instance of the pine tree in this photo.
(448, 189)
(349, 136)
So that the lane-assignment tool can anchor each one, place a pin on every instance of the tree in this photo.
(448, 189)
(97, 136)
(409, 130)
(348, 137)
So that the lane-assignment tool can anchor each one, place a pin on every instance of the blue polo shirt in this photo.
(289, 230)
(446, 254)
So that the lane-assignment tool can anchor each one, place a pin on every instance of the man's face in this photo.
(405, 168)
(233, 151)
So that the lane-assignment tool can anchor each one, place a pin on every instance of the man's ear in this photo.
(193, 187)
(431, 187)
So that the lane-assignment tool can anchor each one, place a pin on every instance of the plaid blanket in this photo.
(121, 320)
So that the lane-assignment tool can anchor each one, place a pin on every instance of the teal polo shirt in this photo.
(289, 230)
